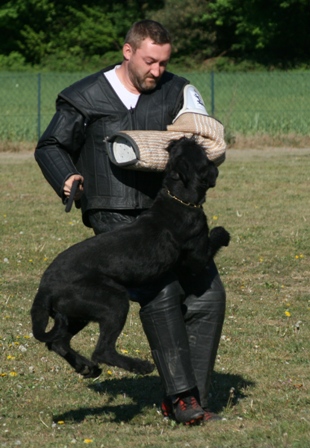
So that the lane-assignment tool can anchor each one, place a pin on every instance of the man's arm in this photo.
(61, 141)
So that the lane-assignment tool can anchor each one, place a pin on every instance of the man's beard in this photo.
(143, 84)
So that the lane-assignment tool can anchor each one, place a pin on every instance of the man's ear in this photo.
(127, 51)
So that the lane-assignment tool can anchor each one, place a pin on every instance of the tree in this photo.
(39, 29)
(192, 29)
(67, 34)
(264, 30)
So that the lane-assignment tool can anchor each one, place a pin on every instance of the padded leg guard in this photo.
(164, 326)
(204, 317)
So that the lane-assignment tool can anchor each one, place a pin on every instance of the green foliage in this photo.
(15, 61)
(91, 32)
(271, 33)
(191, 29)
(64, 62)
(44, 28)
(33, 27)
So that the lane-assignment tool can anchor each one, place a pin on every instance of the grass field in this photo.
(272, 103)
(261, 381)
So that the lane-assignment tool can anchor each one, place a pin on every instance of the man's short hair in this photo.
(147, 29)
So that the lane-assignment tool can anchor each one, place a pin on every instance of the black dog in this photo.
(90, 280)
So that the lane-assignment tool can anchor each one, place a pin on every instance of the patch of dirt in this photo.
(17, 146)
(260, 141)
(264, 152)
(16, 157)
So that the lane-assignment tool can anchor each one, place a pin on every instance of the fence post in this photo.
(212, 94)
(39, 105)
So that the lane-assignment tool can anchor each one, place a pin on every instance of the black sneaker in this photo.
(168, 411)
(166, 407)
(210, 416)
(184, 409)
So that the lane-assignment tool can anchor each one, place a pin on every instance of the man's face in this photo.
(147, 64)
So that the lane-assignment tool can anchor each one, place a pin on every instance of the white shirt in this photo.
(128, 98)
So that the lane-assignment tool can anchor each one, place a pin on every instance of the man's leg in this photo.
(163, 323)
(204, 312)
(164, 326)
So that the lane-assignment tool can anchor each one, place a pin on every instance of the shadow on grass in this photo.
(226, 390)
(145, 392)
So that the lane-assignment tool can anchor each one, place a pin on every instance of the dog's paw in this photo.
(90, 371)
(220, 236)
(143, 367)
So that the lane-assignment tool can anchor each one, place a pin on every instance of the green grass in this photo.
(261, 381)
(262, 103)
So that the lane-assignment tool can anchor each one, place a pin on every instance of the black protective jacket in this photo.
(87, 113)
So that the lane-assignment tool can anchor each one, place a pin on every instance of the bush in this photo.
(63, 62)
(14, 62)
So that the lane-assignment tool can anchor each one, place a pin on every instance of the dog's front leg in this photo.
(219, 237)
(195, 255)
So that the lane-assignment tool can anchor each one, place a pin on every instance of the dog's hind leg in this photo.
(106, 352)
(111, 324)
(62, 347)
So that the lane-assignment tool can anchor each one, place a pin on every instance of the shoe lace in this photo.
(188, 402)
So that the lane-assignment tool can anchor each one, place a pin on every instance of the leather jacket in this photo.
(87, 113)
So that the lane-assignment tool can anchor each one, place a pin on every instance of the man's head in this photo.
(147, 29)
(146, 52)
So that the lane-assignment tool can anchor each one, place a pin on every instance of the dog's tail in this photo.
(40, 314)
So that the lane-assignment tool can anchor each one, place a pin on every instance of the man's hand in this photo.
(68, 186)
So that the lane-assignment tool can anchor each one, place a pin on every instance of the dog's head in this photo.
(189, 173)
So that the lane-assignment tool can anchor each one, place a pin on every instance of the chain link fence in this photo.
(270, 103)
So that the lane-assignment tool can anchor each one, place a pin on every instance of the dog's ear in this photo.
(174, 175)
(180, 171)
(183, 170)
(171, 145)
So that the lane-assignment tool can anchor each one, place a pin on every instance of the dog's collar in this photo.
(188, 204)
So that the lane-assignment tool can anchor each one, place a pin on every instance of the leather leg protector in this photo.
(163, 323)
(204, 317)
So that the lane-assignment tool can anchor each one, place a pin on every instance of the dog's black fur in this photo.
(90, 280)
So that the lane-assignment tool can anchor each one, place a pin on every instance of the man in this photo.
(181, 319)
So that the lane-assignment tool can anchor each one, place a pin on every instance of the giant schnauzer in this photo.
(92, 280)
